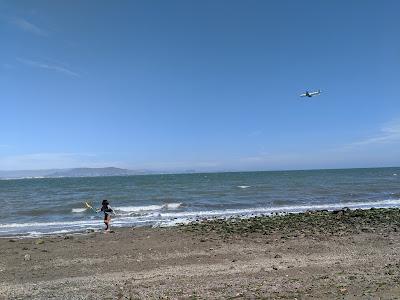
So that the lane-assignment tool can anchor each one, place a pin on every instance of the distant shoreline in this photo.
(66, 173)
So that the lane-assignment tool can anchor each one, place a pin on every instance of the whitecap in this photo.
(153, 207)
(138, 208)
(243, 186)
(172, 205)
(78, 210)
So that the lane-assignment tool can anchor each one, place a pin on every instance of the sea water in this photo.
(32, 207)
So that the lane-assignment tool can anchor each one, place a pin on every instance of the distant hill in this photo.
(75, 172)
(91, 172)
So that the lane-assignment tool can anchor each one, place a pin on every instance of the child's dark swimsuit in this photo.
(107, 211)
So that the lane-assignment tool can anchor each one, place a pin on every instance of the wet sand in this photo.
(318, 255)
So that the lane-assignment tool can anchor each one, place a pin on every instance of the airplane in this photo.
(308, 94)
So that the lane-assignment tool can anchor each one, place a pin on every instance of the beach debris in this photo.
(12, 240)
(275, 267)
(39, 242)
(67, 237)
(27, 257)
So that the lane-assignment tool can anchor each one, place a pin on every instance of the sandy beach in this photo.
(315, 255)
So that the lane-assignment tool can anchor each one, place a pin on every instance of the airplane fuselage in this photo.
(309, 95)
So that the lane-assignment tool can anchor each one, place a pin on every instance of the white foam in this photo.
(243, 186)
(267, 210)
(132, 209)
(138, 208)
(51, 224)
(172, 205)
(163, 217)
(78, 210)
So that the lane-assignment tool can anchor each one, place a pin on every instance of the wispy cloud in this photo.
(7, 66)
(48, 66)
(179, 165)
(28, 26)
(255, 133)
(389, 133)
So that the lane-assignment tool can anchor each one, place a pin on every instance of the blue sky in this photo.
(205, 85)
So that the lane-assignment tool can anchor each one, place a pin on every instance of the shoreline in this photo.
(223, 215)
(319, 254)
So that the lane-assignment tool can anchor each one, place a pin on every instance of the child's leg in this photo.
(106, 221)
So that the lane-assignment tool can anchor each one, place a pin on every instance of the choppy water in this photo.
(55, 205)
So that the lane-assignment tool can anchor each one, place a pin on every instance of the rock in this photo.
(27, 257)
(89, 230)
(67, 237)
(12, 240)
(278, 256)
(275, 267)
(39, 242)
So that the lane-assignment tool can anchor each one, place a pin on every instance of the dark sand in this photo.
(342, 255)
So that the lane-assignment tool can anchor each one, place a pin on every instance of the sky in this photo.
(205, 85)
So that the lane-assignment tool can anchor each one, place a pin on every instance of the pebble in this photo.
(27, 257)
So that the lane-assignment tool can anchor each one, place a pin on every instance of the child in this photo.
(106, 208)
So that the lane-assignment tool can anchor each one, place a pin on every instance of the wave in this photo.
(243, 186)
(163, 215)
(288, 208)
(171, 219)
(133, 209)
(79, 210)
(49, 224)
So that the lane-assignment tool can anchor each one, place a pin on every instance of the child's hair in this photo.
(105, 202)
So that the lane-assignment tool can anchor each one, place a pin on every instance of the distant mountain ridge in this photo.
(92, 172)
(74, 172)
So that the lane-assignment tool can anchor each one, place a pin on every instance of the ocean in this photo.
(34, 207)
